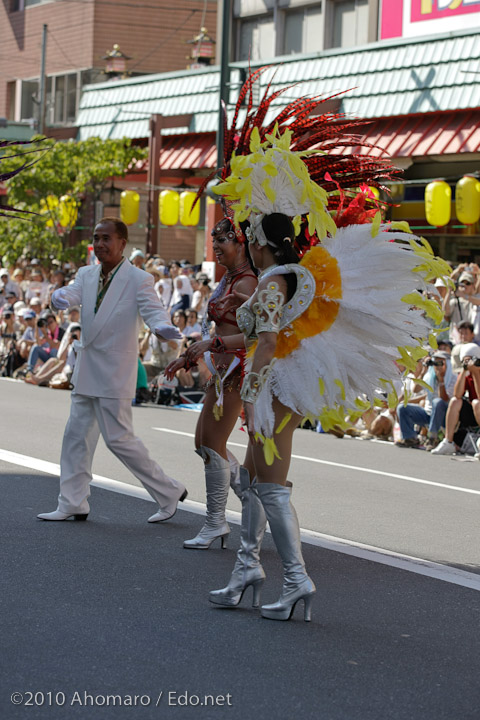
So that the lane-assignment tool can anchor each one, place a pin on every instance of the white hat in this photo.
(469, 350)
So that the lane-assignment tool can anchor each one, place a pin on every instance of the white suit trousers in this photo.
(112, 417)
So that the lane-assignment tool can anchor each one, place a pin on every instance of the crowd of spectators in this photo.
(442, 403)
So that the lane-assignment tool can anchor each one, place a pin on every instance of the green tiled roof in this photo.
(396, 77)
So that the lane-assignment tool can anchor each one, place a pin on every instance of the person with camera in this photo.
(48, 336)
(461, 304)
(464, 407)
(9, 331)
(114, 296)
(437, 373)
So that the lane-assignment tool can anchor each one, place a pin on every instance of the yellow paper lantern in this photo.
(437, 203)
(48, 207)
(168, 208)
(187, 216)
(68, 211)
(129, 206)
(375, 192)
(467, 200)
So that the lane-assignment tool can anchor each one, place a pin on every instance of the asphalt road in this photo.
(115, 606)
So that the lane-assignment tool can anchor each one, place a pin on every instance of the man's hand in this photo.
(165, 331)
(59, 299)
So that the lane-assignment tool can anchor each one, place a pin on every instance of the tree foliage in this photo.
(77, 169)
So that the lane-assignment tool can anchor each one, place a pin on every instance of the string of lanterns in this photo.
(438, 196)
(173, 208)
(62, 211)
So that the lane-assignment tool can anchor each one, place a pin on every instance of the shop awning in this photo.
(194, 151)
(424, 135)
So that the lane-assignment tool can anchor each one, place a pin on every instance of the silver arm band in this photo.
(253, 384)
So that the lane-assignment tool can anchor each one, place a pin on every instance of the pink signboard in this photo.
(436, 9)
(408, 18)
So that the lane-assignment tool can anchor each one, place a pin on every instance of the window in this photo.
(29, 106)
(256, 38)
(61, 94)
(350, 23)
(11, 99)
(303, 30)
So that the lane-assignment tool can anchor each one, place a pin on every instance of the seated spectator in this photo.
(157, 354)
(179, 319)
(466, 335)
(10, 330)
(36, 305)
(182, 290)
(27, 340)
(464, 407)
(201, 294)
(48, 335)
(163, 287)
(55, 365)
(137, 258)
(193, 326)
(438, 374)
(7, 286)
(71, 316)
(445, 346)
(37, 287)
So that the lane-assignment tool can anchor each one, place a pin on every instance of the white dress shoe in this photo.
(168, 512)
(59, 515)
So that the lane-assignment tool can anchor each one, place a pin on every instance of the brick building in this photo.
(79, 34)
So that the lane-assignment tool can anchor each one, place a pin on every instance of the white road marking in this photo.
(370, 471)
(409, 563)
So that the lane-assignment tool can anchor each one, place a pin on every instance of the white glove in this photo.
(168, 332)
(59, 299)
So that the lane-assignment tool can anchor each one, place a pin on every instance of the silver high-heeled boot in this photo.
(217, 480)
(247, 570)
(283, 521)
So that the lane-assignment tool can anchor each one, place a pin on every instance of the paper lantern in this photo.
(68, 211)
(168, 208)
(48, 206)
(187, 216)
(467, 200)
(437, 203)
(129, 206)
(375, 192)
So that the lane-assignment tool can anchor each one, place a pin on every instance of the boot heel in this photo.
(223, 540)
(257, 589)
(307, 600)
(83, 516)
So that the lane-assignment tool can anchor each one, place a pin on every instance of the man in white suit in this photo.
(114, 296)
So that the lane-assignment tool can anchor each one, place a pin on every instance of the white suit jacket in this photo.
(107, 354)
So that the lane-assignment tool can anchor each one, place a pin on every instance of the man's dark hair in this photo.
(120, 228)
(465, 324)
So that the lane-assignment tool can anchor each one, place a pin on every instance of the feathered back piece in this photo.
(327, 133)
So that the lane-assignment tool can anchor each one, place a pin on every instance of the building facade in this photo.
(79, 35)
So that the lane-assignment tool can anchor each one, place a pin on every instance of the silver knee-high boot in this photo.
(247, 570)
(217, 481)
(285, 530)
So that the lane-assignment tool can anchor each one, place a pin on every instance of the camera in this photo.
(42, 323)
(433, 363)
(466, 363)
(75, 336)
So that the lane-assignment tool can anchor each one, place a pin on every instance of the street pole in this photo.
(153, 180)
(41, 121)
(224, 76)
